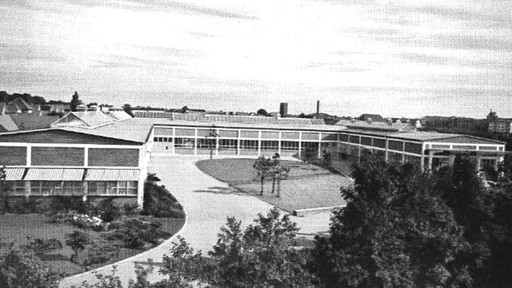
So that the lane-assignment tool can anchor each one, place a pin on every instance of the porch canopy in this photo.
(41, 174)
(112, 175)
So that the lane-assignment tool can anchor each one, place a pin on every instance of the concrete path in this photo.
(207, 202)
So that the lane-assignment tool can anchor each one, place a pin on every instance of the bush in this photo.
(43, 246)
(108, 210)
(137, 233)
(159, 202)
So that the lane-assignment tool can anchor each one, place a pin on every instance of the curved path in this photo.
(207, 204)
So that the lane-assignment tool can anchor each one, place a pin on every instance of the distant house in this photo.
(22, 105)
(373, 117)
(501, 126)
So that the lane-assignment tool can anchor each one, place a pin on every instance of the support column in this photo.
(29, 155)
(430, 154)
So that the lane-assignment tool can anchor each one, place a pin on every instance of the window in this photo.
(122, 188)
(290, 146)
(206, 143)
(228, 144)
(111, 187)
(35, 187)
(132, 187)
(249, 144)
(16, 187)
(187, 143)
(269, 145)
(73, 188)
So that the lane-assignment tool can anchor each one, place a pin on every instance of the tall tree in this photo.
(394, 232)
(75, 101)
(260, 256)
(263, 166)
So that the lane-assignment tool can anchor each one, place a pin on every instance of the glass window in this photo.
(269, 145)
(187, 143)
(111, 187)
(132, 187)
(73, 188)
(289, 145)
(249, 144)
(122, 187)
(228, 143)
(206, 143)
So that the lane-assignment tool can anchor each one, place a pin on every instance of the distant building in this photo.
(283, 109)
(501, 126)
(373, 117)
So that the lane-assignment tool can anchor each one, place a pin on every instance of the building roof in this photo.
(118, 115)
(376, 126)
(85, 119)
(26, 121)
(14, 174)
(7, 123)
(200, 117)
(21, 104)
(133, 129)
(424, 136)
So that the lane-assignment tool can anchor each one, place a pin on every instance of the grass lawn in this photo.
(308, 186)
(17, 227)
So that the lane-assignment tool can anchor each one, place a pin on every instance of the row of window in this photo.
(226, 144)
(74, 187)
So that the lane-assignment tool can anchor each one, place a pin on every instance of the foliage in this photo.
(396, 231)
(492, 115)
(19, 268)
(309, 154)
(261, 256)
(77, 240)
(42, 246)
(75, 101)
(137, 233)
(262, 111)
(263, 165)
(108, 210)
(4, 190)
(159, 202)
(128, 109)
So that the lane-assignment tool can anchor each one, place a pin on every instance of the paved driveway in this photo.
(207, 202)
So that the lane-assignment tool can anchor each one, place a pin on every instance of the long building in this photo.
(97, 154)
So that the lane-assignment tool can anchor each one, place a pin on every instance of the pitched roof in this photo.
(3, 107)
(31, 121)
(118, 115)
(200, 117)
(85, 119)
(7, 123)
(22, 104)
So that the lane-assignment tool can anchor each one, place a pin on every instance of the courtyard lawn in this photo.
(307, 187)
(240, 171)
(18, 228)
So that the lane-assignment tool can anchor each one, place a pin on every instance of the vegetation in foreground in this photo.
(88, 234)
(400, 228)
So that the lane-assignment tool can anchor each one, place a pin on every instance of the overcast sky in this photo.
(395, 58)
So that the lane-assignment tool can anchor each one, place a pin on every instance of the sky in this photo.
(394, 58)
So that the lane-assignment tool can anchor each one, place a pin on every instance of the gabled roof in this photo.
(26, 121)
(85, 119)
(12, 108)
(3, 107)
(22, 104)
(7, 124)
(118, 115)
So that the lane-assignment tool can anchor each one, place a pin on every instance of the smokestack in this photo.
(283, 109)
(317, 108)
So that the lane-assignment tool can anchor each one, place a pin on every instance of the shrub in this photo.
(159, 202)
(43, 246)
(108, 210)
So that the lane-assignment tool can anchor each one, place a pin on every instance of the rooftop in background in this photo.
(240, 119)
(377, 126)
(26, 121)
(7, 124)
(90, 119)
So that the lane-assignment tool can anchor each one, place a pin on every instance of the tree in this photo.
(75, 101)
(263, 165)
(260, 256)
(21, 268)
(262, 112)
(492, 115)
(128, 109)
(4, 190)
(77, 240)
(395, 231)
(278, 172)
